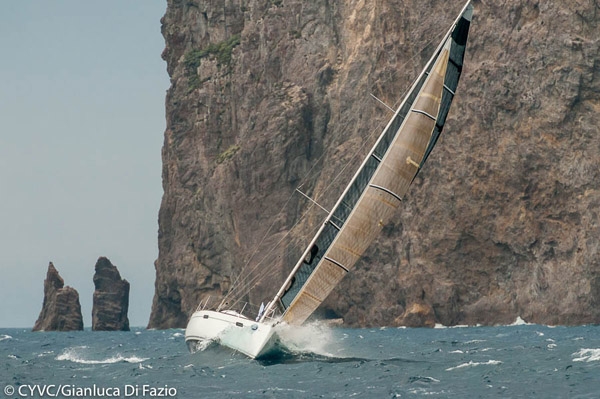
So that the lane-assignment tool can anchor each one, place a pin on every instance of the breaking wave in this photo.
(200, 345)
(520, 322)
(475, 364)
(74, 355)
(587, 355)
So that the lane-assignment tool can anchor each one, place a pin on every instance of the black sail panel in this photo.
(454, 69)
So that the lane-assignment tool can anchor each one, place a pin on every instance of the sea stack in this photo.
(111, 298)
(61, 310)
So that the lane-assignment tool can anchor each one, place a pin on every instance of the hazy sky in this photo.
(82, 121)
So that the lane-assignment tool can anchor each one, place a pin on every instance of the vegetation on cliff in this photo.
(221, 51)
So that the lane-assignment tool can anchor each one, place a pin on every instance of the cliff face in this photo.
(111, 298)
(61, 310)
(501, 222)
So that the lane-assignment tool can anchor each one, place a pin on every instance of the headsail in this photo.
(376, 190)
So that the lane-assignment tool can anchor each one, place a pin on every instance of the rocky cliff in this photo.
(111, 298)
(61, 310)
(267, 95)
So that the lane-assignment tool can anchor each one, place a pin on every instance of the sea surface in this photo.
(518, 361)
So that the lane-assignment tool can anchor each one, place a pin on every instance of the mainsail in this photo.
(377, 189)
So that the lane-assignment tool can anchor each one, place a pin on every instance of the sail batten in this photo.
(390, 192)
(377, 189)
(335, 262)
(418, 111)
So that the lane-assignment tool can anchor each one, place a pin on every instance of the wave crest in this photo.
(4, 337)
(587, 355)
(74, 355)
(474, 364)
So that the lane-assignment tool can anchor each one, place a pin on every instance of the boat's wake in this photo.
(283, 355)
(314, 342)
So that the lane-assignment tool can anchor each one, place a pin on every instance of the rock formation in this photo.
(61, 310)
(417, 315)
(503, 221)
(111, 298)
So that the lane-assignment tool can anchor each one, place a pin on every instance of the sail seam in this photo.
(393, 194)
(458, 67)
(308, 294)
(334, 225)
(449, 90)
(418, 111)
(335, 262)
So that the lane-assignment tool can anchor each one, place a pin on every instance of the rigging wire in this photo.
(241, 294)
(245, 277)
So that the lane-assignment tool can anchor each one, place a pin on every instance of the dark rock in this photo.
(503, 220)
(61, 310)
(111, 298)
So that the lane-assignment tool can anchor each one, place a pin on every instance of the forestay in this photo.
(375, 192)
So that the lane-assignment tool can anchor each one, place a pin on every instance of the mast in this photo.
(378, 186)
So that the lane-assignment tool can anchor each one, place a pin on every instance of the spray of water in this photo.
(314, 338)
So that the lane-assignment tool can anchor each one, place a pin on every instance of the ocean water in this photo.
(519, 361)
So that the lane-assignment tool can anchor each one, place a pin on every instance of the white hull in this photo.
(252, 338)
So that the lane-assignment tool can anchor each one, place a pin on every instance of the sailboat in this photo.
(365, 206)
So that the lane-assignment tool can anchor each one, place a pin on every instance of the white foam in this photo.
(5, 337)
(423, 392)
(427, 379)
(314, 338)
(475, 341)
(475, 364)
(73, 355)
(587, 355)
(202, 344)
(520, 322)
(456, 326)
